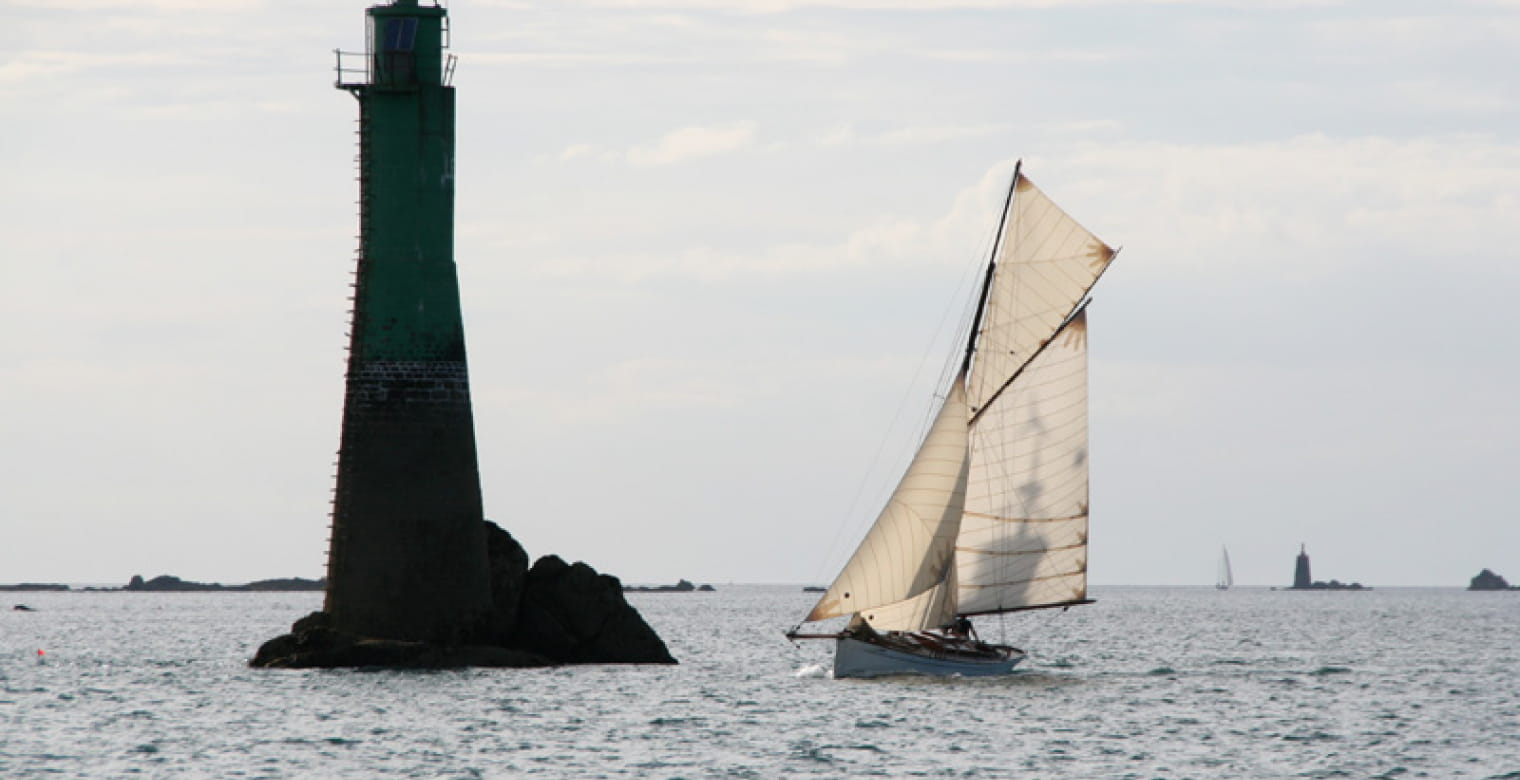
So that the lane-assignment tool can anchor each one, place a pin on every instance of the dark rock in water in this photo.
(681, 586)
(571, 613)
(553, 613)
(314, 644)
(1487, 580)
(167, 582)
(1331, 585)
(508, 564)
(285, 584)
(34, 586)
(23, 608)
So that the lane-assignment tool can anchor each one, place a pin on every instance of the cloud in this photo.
(627, 391)
(1297, 207)
(692, 143)
(1412, 33)
(675, 147)
(935, 134)
(777, 6)
(882, 242)
(845, 135)
(580, 152)
(196, 6)
(1443, 96)
(41, 65)
(1024, 55)
(574, 59)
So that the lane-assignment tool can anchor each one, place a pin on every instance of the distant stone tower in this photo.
(1301, 578)
(407, 555)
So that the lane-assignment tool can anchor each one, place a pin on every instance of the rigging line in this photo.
(965, 329)
(908, 392)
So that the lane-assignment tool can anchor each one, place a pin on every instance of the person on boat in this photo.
(961, 628)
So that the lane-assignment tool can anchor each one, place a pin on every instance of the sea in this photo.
(1147, 683)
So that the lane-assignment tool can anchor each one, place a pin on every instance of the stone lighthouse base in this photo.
(552, 613)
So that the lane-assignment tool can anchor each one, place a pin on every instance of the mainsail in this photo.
(1023, 538)
(992, 514)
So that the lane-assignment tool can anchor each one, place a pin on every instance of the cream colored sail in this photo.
(910, 549)
(1003, 472)
(1046, 263)
(933, 608)
(1023, 539)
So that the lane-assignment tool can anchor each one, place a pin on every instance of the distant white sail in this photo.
(909, 549)
(1226, 578)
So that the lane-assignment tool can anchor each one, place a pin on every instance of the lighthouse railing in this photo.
(352, 69)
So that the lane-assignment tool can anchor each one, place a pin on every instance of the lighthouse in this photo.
(407, 551)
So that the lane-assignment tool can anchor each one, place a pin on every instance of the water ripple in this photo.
(1146, 684)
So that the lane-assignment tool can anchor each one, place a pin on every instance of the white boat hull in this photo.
(857, 658)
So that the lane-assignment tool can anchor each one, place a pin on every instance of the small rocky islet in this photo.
(1488, 580)
(168, 583)
(549, 614)
(681, 586)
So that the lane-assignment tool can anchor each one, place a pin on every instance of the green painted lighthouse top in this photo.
(404, 51)
(407, 7)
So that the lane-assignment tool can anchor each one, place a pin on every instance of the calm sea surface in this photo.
(1148, 683)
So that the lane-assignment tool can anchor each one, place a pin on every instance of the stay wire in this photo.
(969, 272)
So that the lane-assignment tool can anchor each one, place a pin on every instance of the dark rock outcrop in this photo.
(314, 644)
(1487, 580)
(552, 613)
(282, 584)
(1331, 585)
(168, 583)
(571, 613)
(508, 564)
(681, 586)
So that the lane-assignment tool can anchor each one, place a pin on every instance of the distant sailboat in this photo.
(1226, 577)
(991, 515)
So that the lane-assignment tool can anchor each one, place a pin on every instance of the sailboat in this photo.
(1226, 577)
(991, 515)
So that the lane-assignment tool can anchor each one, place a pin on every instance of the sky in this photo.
(712, 256)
